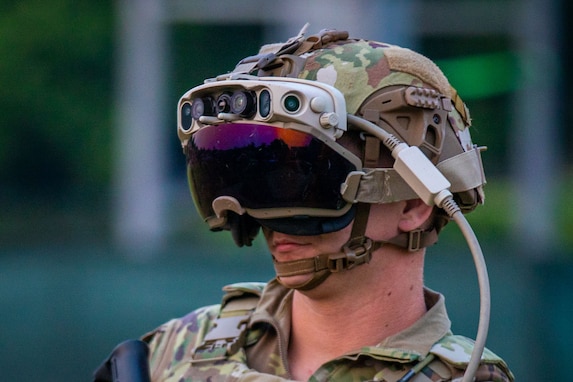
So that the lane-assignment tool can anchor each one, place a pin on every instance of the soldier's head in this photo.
(271, 144)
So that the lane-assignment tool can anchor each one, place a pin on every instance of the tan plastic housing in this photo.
(417, 116)
(322, 109)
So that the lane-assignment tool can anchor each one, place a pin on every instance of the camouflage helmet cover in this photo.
(362, 68)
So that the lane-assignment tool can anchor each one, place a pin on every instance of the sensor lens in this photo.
(198, 108)
(291, 103)
(186, 115)
(265, 103)
(224, 103)
(243, 103)
(202, 106)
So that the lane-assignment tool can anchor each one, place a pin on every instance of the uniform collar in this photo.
(425, 332)
(415, 341)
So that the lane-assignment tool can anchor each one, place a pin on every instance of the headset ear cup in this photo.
(243, 228)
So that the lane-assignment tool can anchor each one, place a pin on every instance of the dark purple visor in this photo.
(265, 167)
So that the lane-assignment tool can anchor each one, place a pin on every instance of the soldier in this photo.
(350, 156)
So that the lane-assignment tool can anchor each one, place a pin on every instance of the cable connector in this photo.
(450, 206)
(421, 174)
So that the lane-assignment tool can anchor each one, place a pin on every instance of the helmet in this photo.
(296, 176)
(279, 141)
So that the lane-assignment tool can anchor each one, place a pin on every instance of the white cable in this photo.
(483, 281)
(433, 188)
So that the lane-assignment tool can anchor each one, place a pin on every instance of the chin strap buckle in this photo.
(415, 240)
(356, 252)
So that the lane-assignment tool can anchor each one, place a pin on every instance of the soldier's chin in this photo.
(294, 282)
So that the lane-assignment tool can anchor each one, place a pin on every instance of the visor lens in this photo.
(264, 166)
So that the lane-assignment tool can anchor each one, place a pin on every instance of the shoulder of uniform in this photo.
(178, 335)
(251, 289)
(456, 350)
(195, 319)
(204, 317)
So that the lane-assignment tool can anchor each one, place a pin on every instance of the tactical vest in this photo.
(222, 348)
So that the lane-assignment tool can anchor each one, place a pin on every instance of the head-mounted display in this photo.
(267, 147)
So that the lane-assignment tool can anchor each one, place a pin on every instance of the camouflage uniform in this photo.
(427, 345)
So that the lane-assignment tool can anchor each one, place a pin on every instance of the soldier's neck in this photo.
(353, 309)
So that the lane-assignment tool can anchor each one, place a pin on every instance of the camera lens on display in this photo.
(243, 103)
(265, 103)
(186, 115)
(201, 107)
(198, 108)
(291, 103)
(224, 103)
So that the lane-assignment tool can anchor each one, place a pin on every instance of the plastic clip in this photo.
(414, 240)
(225, 338)
(355, 253)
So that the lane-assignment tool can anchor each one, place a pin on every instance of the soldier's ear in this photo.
(414, 214)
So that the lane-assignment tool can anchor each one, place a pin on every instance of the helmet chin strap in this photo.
(323, 265)
(357, 251)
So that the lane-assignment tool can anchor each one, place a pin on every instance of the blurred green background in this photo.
(75, 281)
